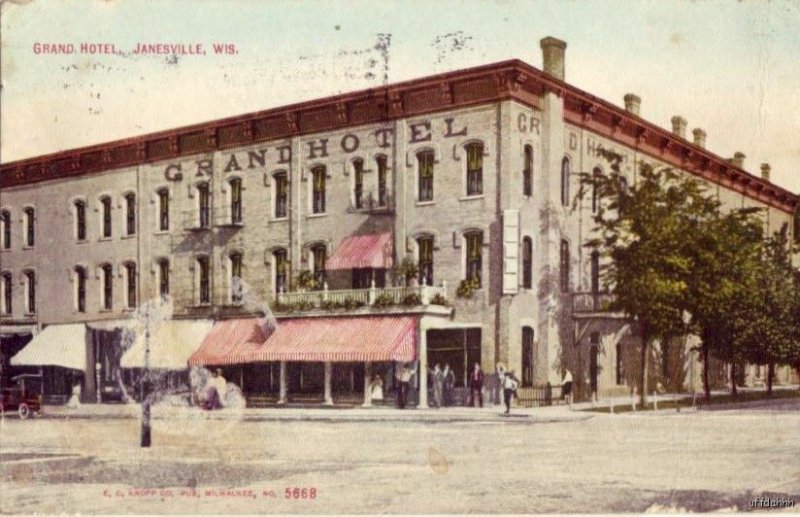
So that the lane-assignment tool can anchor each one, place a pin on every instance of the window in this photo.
(30, 292)
(358, 183)
(565, 181)
(425, 259)
(163, 277)
(620, 370)
(130, 281)
(203, 281)
(527, 263)
(527, 357)
(318, 175)
(236, 276)
(382, 179)
(30, 226)
(595, 271)
(5, 220)
(163, 209)
(474, 241)
(130, 214)
(80, 220)
(596, 172)
(319, 256)
(203, 201)
(281, 270)
(281, 194)
(474, 169)
(564, 269)
(108, 287)
(80, 289)
(527, 172)
(7, 287)
(425, 175)
(105, 206)
(236, 200)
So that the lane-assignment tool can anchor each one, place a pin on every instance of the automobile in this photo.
(24, 397)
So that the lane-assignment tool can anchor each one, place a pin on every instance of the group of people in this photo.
(444, 380)
(502, 379)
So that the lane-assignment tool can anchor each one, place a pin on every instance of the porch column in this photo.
(367, 380)
(328, 399)
(423, 367)
(282, 385)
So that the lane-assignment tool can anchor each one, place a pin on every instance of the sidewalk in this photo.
(326, 414)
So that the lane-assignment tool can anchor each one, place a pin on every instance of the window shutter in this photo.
(510, 251)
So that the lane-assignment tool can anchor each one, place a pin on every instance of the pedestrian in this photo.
(438, 385)
(75, 400)
(404, 378)
(510, 384)
(216, 389)
(476, 385)
(376, 388)
(497, 383)
(449, 384)
(566, 387)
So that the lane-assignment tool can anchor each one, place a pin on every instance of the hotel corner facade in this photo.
(470, 174)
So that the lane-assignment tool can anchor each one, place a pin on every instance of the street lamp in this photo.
(686, 316)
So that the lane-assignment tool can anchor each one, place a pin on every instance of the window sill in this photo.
(105, 239)
(425, 203)
(132, 236)
(470, 198)
(279, 219)
(25, 248)
(314, 216)
(161, 232)
(4, 250)
(81, 241)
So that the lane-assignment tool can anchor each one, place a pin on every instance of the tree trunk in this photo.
(706, 374)
(770, 376)
(643, 374)
(734, 393)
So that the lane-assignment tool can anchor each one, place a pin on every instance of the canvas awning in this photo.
(363, 251)
(56, 345)
(171, 344)
(231, 341)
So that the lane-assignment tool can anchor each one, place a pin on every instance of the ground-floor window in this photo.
(459, 348)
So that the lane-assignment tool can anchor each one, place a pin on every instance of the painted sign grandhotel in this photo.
(317, 207)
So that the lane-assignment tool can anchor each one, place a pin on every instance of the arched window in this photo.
(30, 226)
(318, 258)
(565, 172)
(596, 172)
(318, 176)
(7, 292)
(80, 220)
(474, 255)
(80, 289)
(163, 209)
(474, 169)
(203, 280)
(203, 205)
(5, 221)
(105, 207)
(425, 259)
(281, 270)
(163, 277)
(235, 261)
(281, 194)
(130, 284)
(108, 286)
(527, 172)
(382, 180)
(425, 175)
(565, 273)
(358, 183)
(595, 271)
(527, 263)
(30, 292)
(527, 356)
(236, 200)
(130, 214)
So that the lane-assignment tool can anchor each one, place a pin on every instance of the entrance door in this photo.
(593, 366)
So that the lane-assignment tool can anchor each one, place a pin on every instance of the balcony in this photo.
(228, 216)
(197, 220)
(379, 297)
(588, 302)
(375, 204)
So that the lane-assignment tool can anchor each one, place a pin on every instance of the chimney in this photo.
(632, 103)
(699, 137)
(738, 159)
(553, 56)
(765, 168)
(679, 126)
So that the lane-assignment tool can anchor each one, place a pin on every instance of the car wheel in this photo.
(24, 411)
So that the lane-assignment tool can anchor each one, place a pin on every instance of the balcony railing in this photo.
(354, 298)
(592, 302)
(373, 204)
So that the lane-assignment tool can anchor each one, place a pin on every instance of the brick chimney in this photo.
(632, 103)
(699, 137)
(738, 159)
(765, 168)
(679, 126)
(553, 56)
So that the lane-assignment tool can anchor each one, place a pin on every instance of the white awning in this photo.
(56, 345)
(171, 344)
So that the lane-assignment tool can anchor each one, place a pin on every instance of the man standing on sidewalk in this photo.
(476, 385)
(404, 376)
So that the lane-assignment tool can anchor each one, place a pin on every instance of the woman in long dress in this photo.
(376, 388)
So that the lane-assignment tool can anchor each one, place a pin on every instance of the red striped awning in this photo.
(231, 342)
(363, 251)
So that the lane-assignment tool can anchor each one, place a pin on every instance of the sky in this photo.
(729, 67)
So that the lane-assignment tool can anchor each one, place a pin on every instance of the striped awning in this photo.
(56, 345)
(231, 342)
(363, 251)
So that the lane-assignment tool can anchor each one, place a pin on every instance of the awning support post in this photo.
(282, 385)
(328, 399)
(423, 368)
(367, 378)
